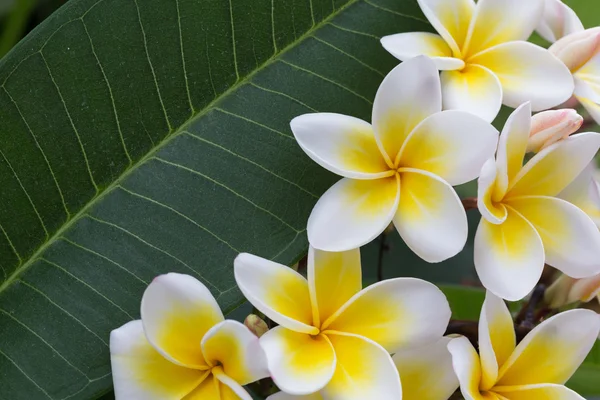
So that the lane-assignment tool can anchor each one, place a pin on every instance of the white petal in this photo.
(364, 371)
(230, 388)
(571, 239)
(467, 367)
(558, 21)
(287, 302)
(509, 258)
(141, 373)
(426, 372)
(486, 186)
(237, 350)
(405, 46)
(431, 217)
(501, 21)
(450, 18)
(394, 313)
(453, 145)
(342, 144)
(553, 350)
(528, 73)
(352, 213)
(474, 89)
(299, 363)
(538, 392)
(592, 107)
(177, 310)
(409, 93)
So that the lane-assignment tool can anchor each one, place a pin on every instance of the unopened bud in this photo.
(577, 49)
(566, 290)
(549, 127)
(256, 325)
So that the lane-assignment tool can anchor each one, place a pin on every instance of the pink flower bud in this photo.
(577, 49)
(549, 127)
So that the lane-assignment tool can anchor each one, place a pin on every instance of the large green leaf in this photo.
(140, 137)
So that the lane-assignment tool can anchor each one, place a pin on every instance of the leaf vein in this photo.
(284, 95)
(25, 374)
(364, 64)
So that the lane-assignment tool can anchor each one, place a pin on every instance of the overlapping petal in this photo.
(443, 145)
(352, 213)
(177, 310)
(209, 389)
(474, 89)
(237, 350)
(553, 350)
(409, 93)
(467, 367)
(591, 107)
(426, 372)
(342, 144)
(538, 392)
(492, 211)
(230, 389)
(405, 46)
(364, 371)
(509, 257)
(497, 338)
(500, 21)
(394, 313)
(558, 20)
(142, 373)
(450, 18)
(299, 363)
(527, 72)
(430, 218)
(277, 291)
(555, 167)
(571, 239)
(333, 278)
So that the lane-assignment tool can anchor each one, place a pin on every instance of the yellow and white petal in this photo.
(467, 368)
(177, 310)
(344, 145)
(230, 388)
(554, 168)
(364, 371)
(592, 107)
(237, 350)
(142, 373)
(209, 389)
(287, 396)
(501, 21)
(571, 239)
(585, 289)
(394, 313)
(333, 278)
(352, 213)
(474, 89)
(579, 55)
(299, 363)
(509, 258)
(405, 46)
(527, 73)
(581, 191)
(277, 291)
(553, 350)
(426, 372)
(512, 148)
(538, 392)
(451, 144)
(558, 21)
(492, 211)
(409, 93)
(497, 338)
(431, 218)
(451, 18)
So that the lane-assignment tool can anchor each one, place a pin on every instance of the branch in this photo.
(469, 203)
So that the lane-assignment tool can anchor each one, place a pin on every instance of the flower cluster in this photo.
(329, 338)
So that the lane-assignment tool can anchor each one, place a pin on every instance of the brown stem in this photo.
(469, 203)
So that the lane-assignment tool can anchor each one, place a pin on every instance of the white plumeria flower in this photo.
(332, 336)
(399, 169)
(484, 58)
(559, 20)
(548, 127)
(535, 369)
(425, 372)
(524, 225)
(182, 348)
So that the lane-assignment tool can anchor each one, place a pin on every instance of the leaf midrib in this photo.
(182, 129)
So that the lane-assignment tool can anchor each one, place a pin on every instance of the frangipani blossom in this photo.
(524, 224)
(182, 348)
(484, 58)
(425, 372)
(535, 369)
(399, 169)
(332, 336)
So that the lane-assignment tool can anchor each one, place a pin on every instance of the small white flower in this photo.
(485, 60)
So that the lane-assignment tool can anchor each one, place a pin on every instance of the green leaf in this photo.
(585, 381)
(141, 137)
